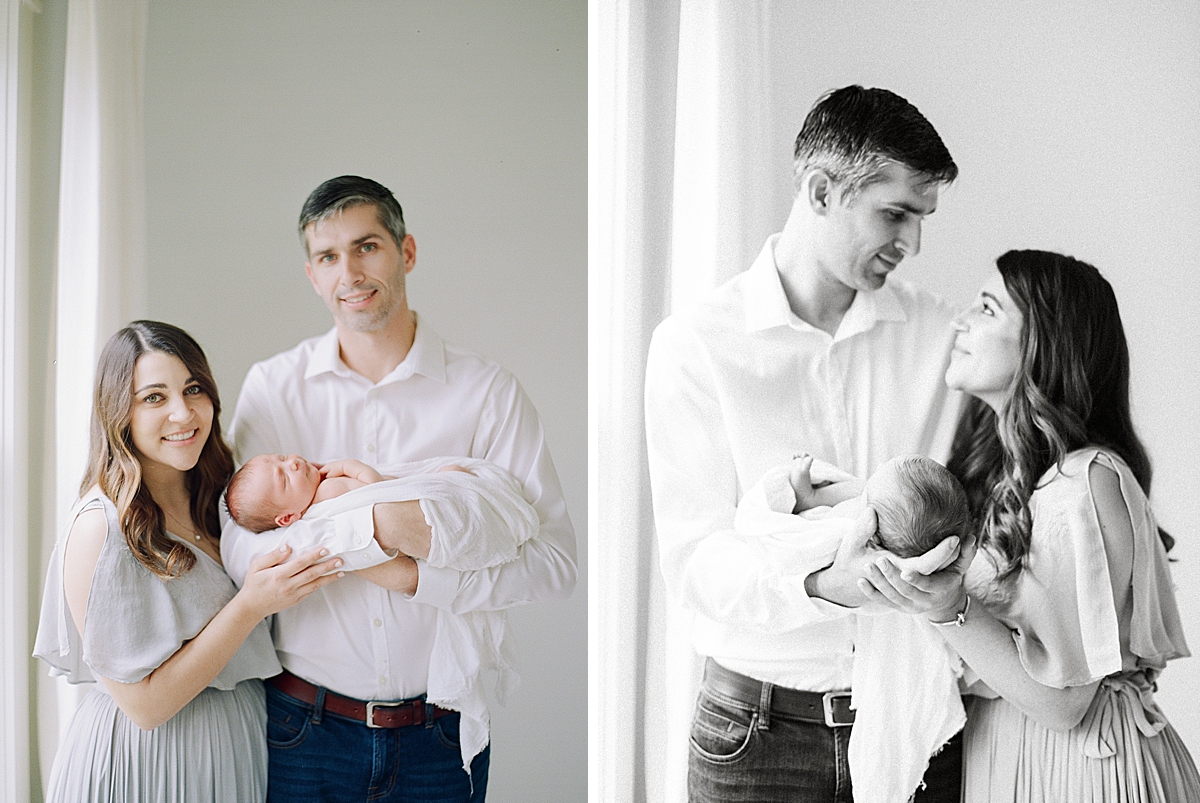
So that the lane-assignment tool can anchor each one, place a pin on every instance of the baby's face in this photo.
(289, 483)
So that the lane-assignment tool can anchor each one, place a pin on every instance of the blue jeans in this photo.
(319, 756)
(740, 754)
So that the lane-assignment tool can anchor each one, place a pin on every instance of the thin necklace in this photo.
(195, 535)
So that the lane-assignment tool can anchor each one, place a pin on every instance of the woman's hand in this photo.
(274, 582)
(927, 585)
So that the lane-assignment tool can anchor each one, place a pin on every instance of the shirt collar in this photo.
(766, 305)
(426, 357)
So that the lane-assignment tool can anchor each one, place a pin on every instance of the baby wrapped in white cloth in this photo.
(905, 678)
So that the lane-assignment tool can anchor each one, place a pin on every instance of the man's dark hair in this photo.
(851, 132)
(344, 192)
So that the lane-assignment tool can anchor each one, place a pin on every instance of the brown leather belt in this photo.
(371, 713)
(830, 708)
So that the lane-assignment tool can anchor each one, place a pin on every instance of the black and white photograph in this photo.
(892, 401)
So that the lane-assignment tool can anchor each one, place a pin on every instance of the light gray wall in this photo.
(473, 113)
(1075, 127)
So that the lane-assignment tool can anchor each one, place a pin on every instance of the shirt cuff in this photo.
(436, 586)
(357, 528)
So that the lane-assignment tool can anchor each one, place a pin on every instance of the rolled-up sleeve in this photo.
(545, 567)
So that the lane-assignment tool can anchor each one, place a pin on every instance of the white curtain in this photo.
(101, 235)
(681, 199)
(14, 445)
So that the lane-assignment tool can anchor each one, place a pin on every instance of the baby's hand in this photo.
(836, 486)
(355, 469)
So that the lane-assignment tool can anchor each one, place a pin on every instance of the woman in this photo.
(1067, 615)
(136, 596)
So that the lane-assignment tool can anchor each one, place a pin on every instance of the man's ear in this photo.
(818, 191)
(408, 253)
(309, 273)
(284, 519)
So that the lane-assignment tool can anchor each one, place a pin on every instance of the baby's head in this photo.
(918, 503)
(271, 491)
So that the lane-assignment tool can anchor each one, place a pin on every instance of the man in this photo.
(811, 350)
(348, 719)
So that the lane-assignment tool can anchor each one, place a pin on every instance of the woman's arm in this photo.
(271, 585)
(987, 646)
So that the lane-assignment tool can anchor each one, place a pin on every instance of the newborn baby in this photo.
(272, 491)
(917, 502)
(904, 678)
(476, 511)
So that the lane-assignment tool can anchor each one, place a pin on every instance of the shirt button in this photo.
(378, 623)
(370, 448)
(358, 540)
(383, 680)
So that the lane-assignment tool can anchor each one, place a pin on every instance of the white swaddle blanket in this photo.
(904, 682)
(477, 520)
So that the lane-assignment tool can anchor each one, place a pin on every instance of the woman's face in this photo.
(987, 347)
(171, 416)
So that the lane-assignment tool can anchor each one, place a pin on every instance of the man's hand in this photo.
(840, 583)
(398, 574)
(925, 585)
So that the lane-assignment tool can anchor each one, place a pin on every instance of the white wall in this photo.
(473, 113)
(1074, 126)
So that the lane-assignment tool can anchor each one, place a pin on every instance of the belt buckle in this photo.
(372, 705)
(837, 717)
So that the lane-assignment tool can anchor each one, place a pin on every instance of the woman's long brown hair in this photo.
(1071, 390)
(113, 463)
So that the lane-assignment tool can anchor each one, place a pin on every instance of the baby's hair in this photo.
(251, 513)
(930, 507)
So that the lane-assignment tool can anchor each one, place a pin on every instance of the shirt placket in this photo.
(370, 429)
(376, 615)
(835, 404)
(379, 645)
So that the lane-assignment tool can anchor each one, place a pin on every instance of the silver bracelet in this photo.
(959, 619)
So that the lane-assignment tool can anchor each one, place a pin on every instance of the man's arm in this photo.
(707, 565)
(545, 567)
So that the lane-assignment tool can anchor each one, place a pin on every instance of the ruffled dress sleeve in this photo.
(1065, 621)
(135, 620)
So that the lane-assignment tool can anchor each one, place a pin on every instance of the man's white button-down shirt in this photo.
(738, 384)
(352, 636)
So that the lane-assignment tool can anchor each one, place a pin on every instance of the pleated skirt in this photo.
(212, 751)
(1011, 758)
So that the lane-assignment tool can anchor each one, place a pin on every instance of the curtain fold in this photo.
(101, 277)
(680, 200)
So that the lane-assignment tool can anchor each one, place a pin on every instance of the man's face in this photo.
(864, 239)
(357, 269)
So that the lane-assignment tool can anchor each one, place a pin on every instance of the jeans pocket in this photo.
(446, 731)
(287, 729)
(721, 732)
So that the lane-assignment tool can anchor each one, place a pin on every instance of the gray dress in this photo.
(215, 748)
